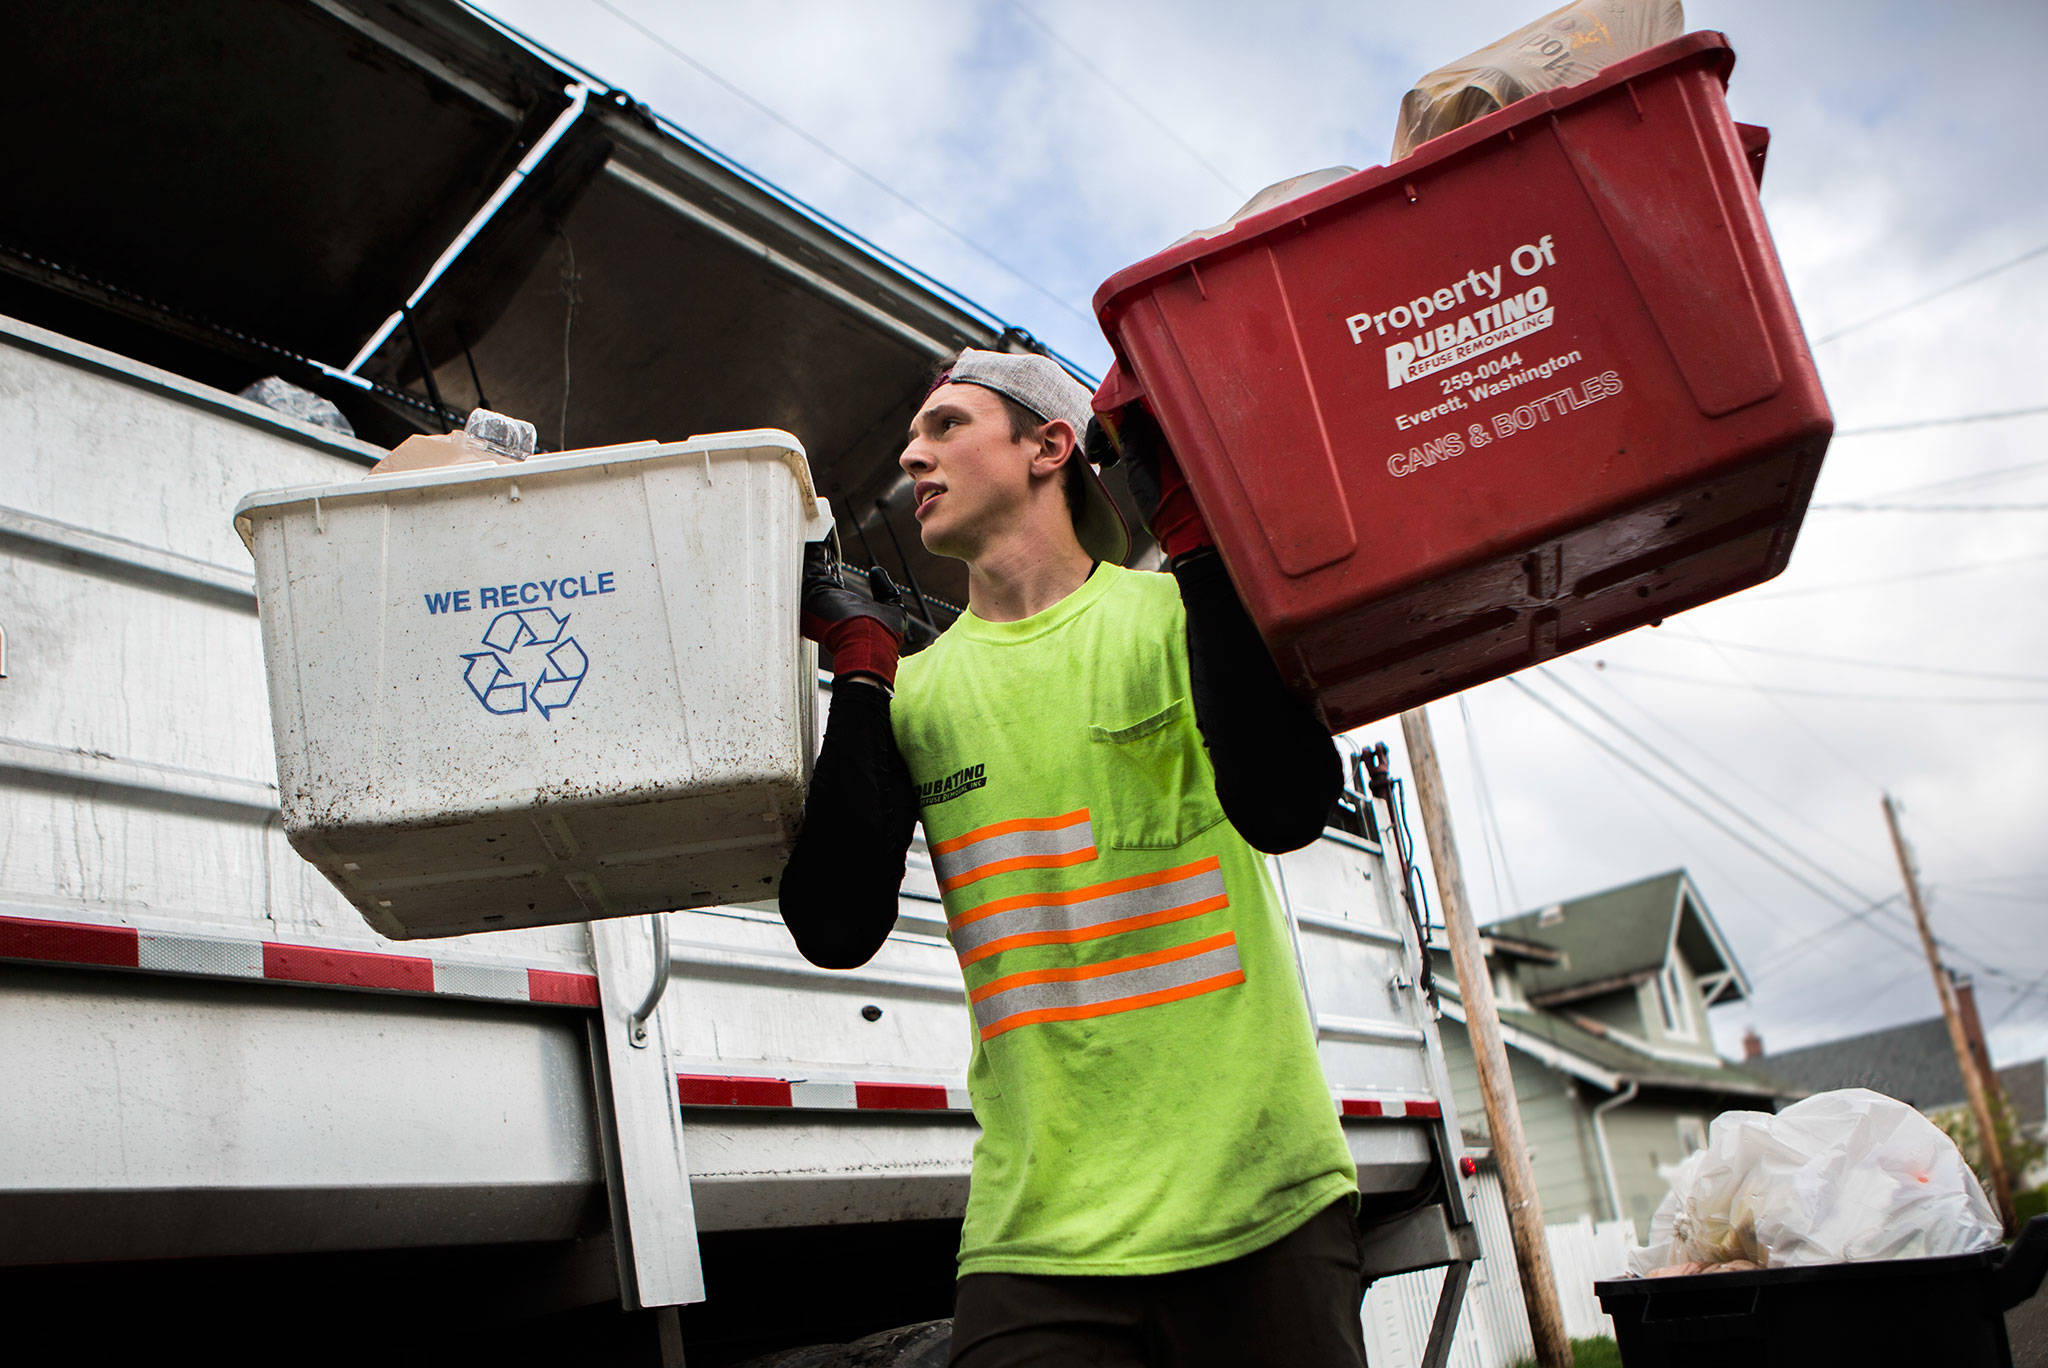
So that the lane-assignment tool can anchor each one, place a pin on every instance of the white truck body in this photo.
(205, 1052)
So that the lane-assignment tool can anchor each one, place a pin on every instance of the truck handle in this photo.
(636, 1025)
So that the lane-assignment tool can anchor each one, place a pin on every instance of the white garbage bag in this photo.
(1838, 1177)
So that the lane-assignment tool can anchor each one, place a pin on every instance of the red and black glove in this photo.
(861, 625)
(1161, 491)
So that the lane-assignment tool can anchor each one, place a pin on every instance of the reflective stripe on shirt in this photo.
(1021, 843)
(1118, 985)
(1081, 914)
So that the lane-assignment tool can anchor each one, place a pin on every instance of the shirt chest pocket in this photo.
(1153, 780)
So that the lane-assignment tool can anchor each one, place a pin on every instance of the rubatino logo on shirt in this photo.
(952, 786)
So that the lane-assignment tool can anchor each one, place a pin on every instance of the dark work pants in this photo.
(1293, 1304)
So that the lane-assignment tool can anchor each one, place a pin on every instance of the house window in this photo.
(1692, 1134)
(1671, 998)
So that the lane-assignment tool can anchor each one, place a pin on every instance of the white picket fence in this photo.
(1493, 1329)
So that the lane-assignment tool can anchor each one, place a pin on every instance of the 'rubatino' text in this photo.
(1419, 350)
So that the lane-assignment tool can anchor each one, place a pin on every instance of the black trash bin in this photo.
(1943, 1313)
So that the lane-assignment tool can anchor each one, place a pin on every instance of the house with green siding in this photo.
(1603, 1007)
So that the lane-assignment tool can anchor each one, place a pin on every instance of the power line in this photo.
(1861, 773)
(1938, 572)
(1116, 88)
(1712, 760)
(1951, 893)
(1839, 695)
(1512, 902)
(1695, 855)
(2019, 998)
(1688, 776)
(1828, 1002)
(1780, 953)
(769, 112)
(1991, 675)
(1822, 744)
(1724, 828)
(1981, 880)
(1848, 763)
(1915, 424)
(1982, 477)
(1981, 967)
(1852, 912)
(1930, 297)
(1932, 508)
(1868, 903)
(1800, 724)
(1971, 919)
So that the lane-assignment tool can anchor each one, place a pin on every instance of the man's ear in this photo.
(1057, 444)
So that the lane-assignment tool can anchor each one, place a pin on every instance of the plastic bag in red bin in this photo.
(1562, 48)
(1838, 1177)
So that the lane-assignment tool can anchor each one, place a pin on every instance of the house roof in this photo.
(2026, 1089)
(1633, 1065)
(1915, 1063)
(1611, 1063)
(1619, 937)
(1506, 947)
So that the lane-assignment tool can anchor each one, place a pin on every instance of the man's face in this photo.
(972, 477)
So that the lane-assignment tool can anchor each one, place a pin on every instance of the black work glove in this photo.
(1133, 439)
(858, 618)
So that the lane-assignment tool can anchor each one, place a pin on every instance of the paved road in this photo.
(2026, 1325)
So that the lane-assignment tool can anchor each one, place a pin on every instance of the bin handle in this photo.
(2019, 1275)
(636, 1025)
(819, 525)
(1756, 144)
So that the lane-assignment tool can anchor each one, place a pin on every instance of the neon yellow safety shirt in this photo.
(1144, 1069)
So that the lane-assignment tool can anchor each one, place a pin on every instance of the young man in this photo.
(1094, 753)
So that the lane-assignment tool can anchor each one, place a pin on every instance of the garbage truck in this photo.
(236, 1118)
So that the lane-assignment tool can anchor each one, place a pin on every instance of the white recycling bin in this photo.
(571, 688)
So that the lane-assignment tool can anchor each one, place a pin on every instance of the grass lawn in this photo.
(1588, 1353)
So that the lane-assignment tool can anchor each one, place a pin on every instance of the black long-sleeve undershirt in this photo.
(839, 888)
(1277, 772)
(1277, 775)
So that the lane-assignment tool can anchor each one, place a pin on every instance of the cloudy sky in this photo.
(1023, 150)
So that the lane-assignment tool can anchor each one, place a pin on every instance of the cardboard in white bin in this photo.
(518, 695)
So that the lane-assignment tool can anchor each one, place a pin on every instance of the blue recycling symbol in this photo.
(521, 634)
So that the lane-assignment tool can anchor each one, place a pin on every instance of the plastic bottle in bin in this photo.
(486, 436)
(510, 438)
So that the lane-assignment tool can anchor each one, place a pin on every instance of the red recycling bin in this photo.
(1539, 383)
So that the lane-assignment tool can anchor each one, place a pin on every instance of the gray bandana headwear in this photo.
(1043, 385)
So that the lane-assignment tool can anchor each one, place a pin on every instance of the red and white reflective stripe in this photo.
(806, 1094)
(1391, 1107)
(48, 941)
(799, 1094)
(127, 947)
(69, 942)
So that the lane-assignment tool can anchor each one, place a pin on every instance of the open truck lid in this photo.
(359, 141)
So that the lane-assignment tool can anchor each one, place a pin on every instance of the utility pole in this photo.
(1973, 1081)
(1496, 1084)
